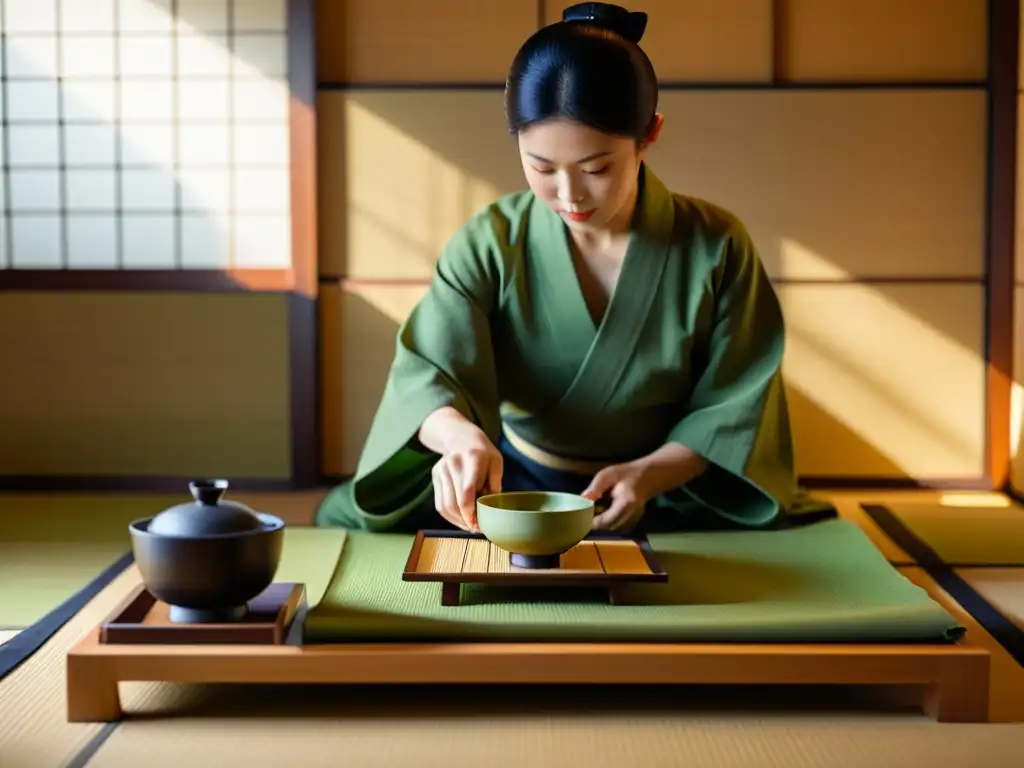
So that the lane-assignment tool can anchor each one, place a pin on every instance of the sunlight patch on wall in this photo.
(796, 259)
(1016, 416)
(970, 500)
(359, 325)
(900, 366)
(405, 200)
(144, 140)
(1017, 394)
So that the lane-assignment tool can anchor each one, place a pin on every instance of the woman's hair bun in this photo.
(629, 24)
(587, 68)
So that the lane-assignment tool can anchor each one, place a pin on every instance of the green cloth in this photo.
(689, 351)
(820, 583)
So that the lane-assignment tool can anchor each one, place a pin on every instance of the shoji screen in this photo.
(147, 245)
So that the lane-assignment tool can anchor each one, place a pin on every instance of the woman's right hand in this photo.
(469, 464)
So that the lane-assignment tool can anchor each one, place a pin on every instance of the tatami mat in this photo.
(984, 534)
(849, 508)
(34, 731)
(587, 728)
(1002, 587)
(36, 577)
(51, 545)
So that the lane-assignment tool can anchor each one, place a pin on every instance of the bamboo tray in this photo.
(455, 558)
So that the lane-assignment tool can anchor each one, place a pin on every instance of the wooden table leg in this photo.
(450, 592)
(617, 594)
(92, 691)
(961, 695)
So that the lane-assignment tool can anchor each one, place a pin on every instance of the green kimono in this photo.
(689, 350)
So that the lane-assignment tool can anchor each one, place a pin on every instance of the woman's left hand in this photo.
(631, 485)
(623, 485)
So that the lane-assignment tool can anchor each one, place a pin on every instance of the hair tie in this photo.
(630, 24)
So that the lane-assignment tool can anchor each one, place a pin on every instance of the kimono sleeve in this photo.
(737, 416)
(443, 357)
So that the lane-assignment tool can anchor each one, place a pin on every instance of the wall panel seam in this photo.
(326, 86)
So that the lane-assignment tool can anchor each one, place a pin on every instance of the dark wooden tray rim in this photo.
(271, 614)
(552, 577)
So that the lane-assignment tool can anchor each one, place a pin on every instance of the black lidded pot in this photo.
(207, 558)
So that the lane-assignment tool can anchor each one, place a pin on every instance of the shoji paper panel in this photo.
(702, 40)
(358, 327)
(144, 384)
(833, 185)
(886, 380)
(885, 39)
(141, 139)
(414, 41)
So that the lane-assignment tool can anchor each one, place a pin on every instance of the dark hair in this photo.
(588, 67)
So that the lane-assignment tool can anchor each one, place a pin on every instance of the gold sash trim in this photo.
(550, 460)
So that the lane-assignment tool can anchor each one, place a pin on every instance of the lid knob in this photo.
(208, 492)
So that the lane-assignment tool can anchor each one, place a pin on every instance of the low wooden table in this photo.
(954, 678)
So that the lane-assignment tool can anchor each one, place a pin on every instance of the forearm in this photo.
(442, 426)
(669, 467)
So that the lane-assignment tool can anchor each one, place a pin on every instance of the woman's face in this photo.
(587, 177)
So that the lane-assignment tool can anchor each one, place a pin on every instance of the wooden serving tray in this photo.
(142, 619)
(455, 558)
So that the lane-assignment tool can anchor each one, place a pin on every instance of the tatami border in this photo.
(990, 618)
(20, 648)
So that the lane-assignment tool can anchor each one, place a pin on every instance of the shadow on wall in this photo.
(887, 380)
(864, 178)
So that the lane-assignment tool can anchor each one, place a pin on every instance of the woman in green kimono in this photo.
(596, 333)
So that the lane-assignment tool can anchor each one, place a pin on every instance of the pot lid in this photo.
(208, 515)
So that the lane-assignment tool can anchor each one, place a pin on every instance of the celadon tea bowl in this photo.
(535, 527)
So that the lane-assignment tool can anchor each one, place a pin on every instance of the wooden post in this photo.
(92, 691)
